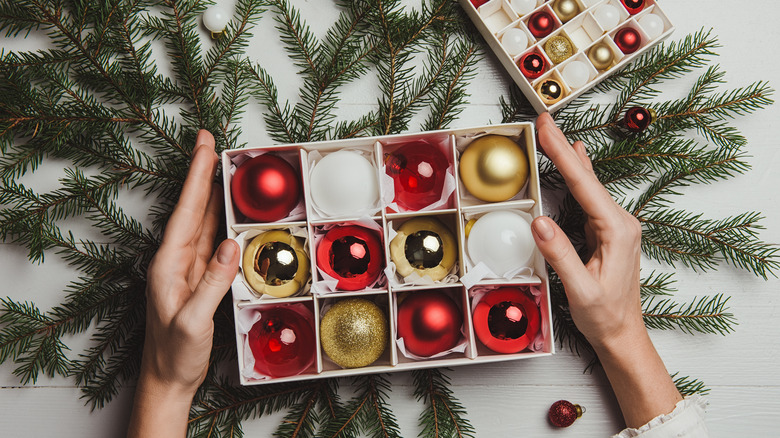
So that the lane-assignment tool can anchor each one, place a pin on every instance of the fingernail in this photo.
(543, 229)
(203, 138)
(225, 253)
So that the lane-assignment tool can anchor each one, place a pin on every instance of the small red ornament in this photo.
(532, 65)
(628, 40)
(429, 322)
(633, 6)
(265, 188)
(283, 341)
(637, 119)
(506, 320)
(418, 170)
(541, 24)
(352, 255)
(563, 413)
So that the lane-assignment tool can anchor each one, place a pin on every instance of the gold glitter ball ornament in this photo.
(566, 9)
(550, 91)
(559, 49)
(494, 168)
(601, 56)
(275, 263)
(354, 333)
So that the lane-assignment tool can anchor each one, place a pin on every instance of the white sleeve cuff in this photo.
(685, 421)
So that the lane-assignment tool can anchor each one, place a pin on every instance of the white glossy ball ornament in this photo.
(523, 7)
(607, 16)
(216, 18)
(344, 183)
(576, 74)
(515, 41)
(653, 25)
(502, 240)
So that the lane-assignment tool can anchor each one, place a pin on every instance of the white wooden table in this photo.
(511, 399)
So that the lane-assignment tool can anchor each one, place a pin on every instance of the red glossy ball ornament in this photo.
(429, 322)
(506, 320)
(532, 65)
(283, 342)
(352, 255)
(478, 3)
(265, 188)
(637, 118)
(418, 169)
(633, 6)
(628, 40)
(563, 413)
(541, 24)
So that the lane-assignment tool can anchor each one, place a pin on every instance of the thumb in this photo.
(216, 280)
(559, 253)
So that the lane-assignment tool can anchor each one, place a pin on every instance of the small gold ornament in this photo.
(566, 9)
(494, 168)
(276, 264)
(424, 245)
(601, 56)
(550, 91)
(559, 48)
(354, 333)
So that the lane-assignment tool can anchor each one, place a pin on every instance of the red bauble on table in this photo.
(418, 169)
(634, 6)
(283, 341)
(429, 322)
(532, 65)
(541, 24)
(637, 118)
(506, 320)
(563, 413)
(265, 188)
(628, 40)
(352, 255)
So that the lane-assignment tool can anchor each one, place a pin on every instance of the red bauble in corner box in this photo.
(418, 169)
(429, 322)
(283, 342)
(265, 188)
(352, 255)
(506, 320)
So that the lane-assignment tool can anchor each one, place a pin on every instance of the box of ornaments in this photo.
(387, 253)
(556, 50)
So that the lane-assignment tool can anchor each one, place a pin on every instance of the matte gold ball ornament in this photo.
(494, 168)
(354, 333)
(550, 91)
(565, 9)
(275, 263)
(601, 56)
(426, 246)
(559, 48)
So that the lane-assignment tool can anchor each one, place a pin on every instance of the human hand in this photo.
(185, 284)
(604, 292)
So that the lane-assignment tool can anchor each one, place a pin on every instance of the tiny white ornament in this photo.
(514, 41)
(216, 18)
(607, 16)
(653, 25)
(576, 74)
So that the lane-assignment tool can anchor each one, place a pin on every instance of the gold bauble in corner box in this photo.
(494, 168)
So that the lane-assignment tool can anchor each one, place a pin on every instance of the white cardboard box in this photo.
(495, 17)
(456, 212)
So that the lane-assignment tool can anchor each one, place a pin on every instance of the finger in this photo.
(189, 211)
(582, 182)
(559, 253)
(208, 231)
(579, 148)
(215, 282)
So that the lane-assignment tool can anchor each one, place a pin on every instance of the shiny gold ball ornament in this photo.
(424, 245)
(565, 9)
(276, 264)
(601, 56)
(559, 48)
(354, 333)
(493, 168)
(550, 91)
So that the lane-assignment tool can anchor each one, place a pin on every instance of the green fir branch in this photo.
(443, 416)
(705, 315)
(689, 386)
(368, 413)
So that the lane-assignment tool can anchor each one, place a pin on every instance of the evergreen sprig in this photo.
(443, 416)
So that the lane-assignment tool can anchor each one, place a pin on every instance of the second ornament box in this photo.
(387, 253)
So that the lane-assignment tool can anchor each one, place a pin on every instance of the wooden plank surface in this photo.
(507, 399)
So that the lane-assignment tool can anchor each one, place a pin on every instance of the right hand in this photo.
(603, 293)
